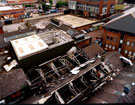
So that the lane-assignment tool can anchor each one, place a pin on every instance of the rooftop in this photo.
(121, 23)
(14, 27)
(28, 45)
(75, 21)
(7, 8)
(33, 44)
(96, 50)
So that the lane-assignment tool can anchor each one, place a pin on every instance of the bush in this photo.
(51, 2)
(61, 3)
(45, 7)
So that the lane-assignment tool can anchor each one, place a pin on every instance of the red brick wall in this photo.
(111, 42)
(101, 3)
(16, 14)
(128, 47)
(86, 14)
(21, 1)
(84, 43)
(127, 38)
(1, 31)
(83, 27)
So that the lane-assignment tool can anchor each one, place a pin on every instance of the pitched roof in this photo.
(124, 23)
(115, 16)
(93, 49)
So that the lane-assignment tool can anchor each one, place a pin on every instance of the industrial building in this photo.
(119, 34)
(92, 8)
(41, 48)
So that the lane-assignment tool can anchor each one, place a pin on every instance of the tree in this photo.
(23, 5)
(39, 7)
(45, 7)
(61, 3)
(51, 2)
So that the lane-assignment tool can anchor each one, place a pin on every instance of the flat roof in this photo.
(75, 21)
(6, 8)
(29, 45)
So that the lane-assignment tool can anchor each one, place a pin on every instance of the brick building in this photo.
(92, 8)
(20, 1)
(119, 34)
(10, 12)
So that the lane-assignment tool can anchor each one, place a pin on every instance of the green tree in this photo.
(51, 2)
(45, 7)
(39, 7)
(61, 3)
(23, 5)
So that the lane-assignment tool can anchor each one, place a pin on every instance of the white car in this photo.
(83, 31)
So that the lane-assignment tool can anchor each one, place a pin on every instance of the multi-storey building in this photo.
(3, 1)
(20, 1)
(119, 34)
(92, 8)
(10, 12)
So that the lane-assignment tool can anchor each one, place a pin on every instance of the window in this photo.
(121, 41)
(106, 45)
(108, 37)
(114, 39)
(119, 49)
(111, 38)
(132, 44)
(130, 53)
(126, 51)
(128, 43)
(110, 46)
(134, 54)
(113, 47)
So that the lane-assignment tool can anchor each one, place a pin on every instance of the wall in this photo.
(1, 30)
(127, 38)
(100, 3)
(45, 56)
(15, 15)
(20, 1)
(83, 27)
(131, 39)
(111, 42)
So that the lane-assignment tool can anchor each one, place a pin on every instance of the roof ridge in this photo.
(117, 18)
(123, 15)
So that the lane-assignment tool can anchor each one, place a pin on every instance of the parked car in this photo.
(83, 31)
(98, 41)
(48, 12)
(87, 30)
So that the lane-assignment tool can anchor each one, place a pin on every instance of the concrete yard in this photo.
(75, 21)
